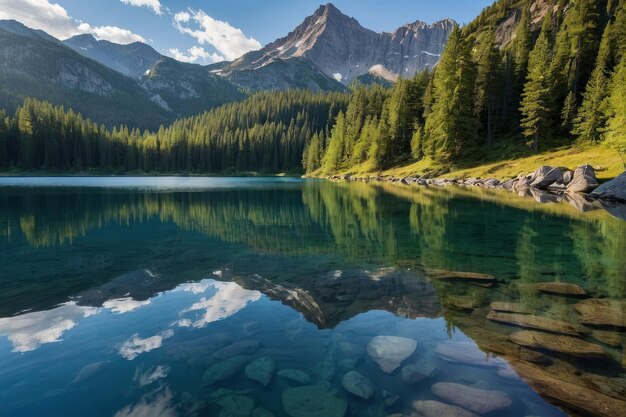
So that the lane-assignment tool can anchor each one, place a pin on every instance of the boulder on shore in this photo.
(612, 190)
(583, 180)
(545, 176)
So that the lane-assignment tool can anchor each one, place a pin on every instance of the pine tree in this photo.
(488, 85)
(535, 106)
(451, 125)
(334, 153)
(591, 118)
(616, 111)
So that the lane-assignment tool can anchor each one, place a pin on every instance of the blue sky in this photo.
(206, 31)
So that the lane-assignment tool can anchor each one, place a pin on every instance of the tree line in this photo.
(564, 83)
(266, 133)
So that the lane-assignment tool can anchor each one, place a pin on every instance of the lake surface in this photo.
(256, 297)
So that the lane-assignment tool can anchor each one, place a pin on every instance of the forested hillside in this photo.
(265, 133)
(558, 79)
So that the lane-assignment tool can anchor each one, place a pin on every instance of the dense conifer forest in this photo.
(559, 81)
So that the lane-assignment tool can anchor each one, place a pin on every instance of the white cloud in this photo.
(228, 300)
(135, 345)
(124, 305)
(155, 5)
(29, 331)
(229, 41)
(150, 376)
(53, 18)
(159, 406)
(195, 54)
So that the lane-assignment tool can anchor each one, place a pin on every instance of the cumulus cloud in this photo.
(53, 18)
(151, 405)
(155, 5)
(151, 375)
(124, 305)
(229, 41)
(228, 300)
(135, 345)
(28, 331)
(195, 54)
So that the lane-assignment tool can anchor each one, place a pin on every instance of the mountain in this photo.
(132, 60)
(187, 89)
(34, 64)
(109, 83)
(340, 48)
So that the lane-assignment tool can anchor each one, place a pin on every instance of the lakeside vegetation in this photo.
(554, 93)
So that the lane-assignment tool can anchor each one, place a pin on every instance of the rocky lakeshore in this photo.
(579, 188)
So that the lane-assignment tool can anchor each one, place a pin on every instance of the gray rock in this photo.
(617, 209)
(390, 351)
(244, 347)
(567, 176)
(325, 370)
(579, 202)
(357, 384)
(507, 185)
(224, 369)
(295, 375)
(492, 182)
(261, 412)
(313, 401)
(545, 176)
(612, 190)
(236, 406)
(261, 370)
(477, 400)
(583, 180)
(420, 370)
(437, 409)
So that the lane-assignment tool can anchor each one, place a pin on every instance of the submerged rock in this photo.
(261, 412)
(261, 370)
(415, 372)
(612, 190)
(390, 351)
(463, 352)
(313, 401)
(477, 400)
(224, 369)
(583, 180)
(236, 406)
(432, 408)
(325, 370)
(295, 375)
(244, 347)
(472, 276)
(509, 307)
(602, 312)
(357, 384)
(562, 288)
(558, 343)
(534, 322)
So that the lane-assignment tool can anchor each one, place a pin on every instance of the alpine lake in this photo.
(258, 297)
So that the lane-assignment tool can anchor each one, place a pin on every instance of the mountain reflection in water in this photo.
(115, 302)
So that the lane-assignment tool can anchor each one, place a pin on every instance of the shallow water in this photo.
(151, 296)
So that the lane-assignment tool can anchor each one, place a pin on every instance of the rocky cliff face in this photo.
(132, 60)
(343, 50)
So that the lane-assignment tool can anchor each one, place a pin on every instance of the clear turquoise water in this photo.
(115, 293)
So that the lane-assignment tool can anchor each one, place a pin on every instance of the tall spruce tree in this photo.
(616, 111)
(451, 126)
(535, 106)
(590, 122)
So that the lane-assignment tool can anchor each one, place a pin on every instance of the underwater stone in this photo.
(261, 370)
(357, 384)
(389, 351)
(236, 406)
(224, 369)
(295, 375)
(313, 401)
(477, 400)
(423, 368)
(432, 408)
(244, 347)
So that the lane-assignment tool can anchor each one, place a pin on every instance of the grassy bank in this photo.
(607, 163)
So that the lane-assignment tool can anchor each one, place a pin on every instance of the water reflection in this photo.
(307, 274)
